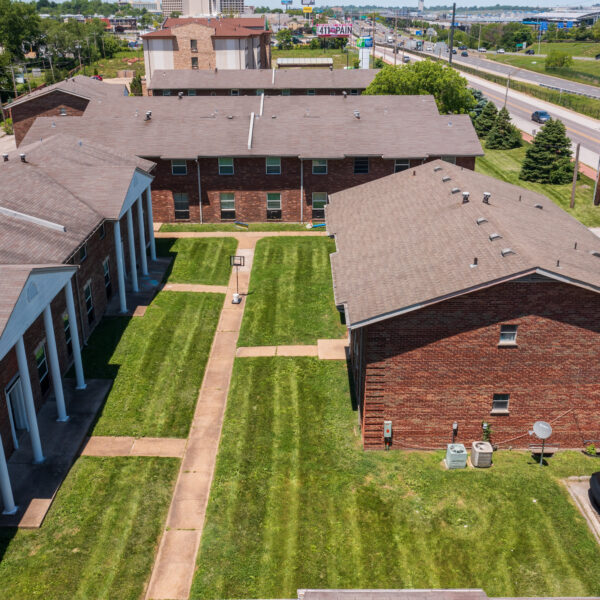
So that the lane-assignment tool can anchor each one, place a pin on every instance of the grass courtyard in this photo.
(506, 165)
(290, 298)
(157, 363)
(198, 260)
(100, 536)
(296, 503)
(340, 59)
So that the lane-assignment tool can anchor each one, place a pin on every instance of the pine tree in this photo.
(503, 135)
(548, 159)
(135, 87)
(485, 121)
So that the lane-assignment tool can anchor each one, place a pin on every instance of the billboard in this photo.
(307, 2)
(286, 2)
(307, 9)
(334, 30)
(364, 42)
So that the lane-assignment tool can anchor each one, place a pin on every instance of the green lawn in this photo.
(573, 48)
(291, 294)
(108, 67)
(340, 59)
(506, 164)
(100, 536)
(157, 362)
(296, 503)
(198, 260)
(170, 227)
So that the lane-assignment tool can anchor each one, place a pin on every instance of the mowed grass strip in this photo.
(197, 227)
(296, 503)
(157, 362)
(291, 294)
(100, 536)
(506, 165)
(198, 260)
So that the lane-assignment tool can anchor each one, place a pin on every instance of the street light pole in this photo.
(452, 33)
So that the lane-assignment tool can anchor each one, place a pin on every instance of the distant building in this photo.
(231, 7)
(149, 5)
(172, 6)
(576, 17)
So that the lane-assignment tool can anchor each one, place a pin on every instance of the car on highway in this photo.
(429, 48)
(406, 59)
(540, 116)
(464, 53)
(463, 47)
(530, 51)
(500, 51)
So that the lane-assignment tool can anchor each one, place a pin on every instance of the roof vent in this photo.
(481, 220)
(446, 178)
(331, 67)
(595, 253)
(5, 157)
(495, 236)
(465, 197)
(475, 263)
(148, 115)
(436, 169)
(180, 95)
(230, 116)
(455, 190)
(486, 197)
(538, 206)
(273, 116)
(344, 94)
(357, 114)
(507, 251)
(23, 157)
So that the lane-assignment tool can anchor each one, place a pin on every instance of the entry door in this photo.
(16, 410)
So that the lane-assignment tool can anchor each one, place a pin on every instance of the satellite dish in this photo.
(542, 429)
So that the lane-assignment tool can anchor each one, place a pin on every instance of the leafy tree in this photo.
(503, 135)
(486, 120)
(515, 33)
(378, 63)
(425, 77)
(19, 23)
(284, 38)
(548, 159)
(135, 88)
(557, 60)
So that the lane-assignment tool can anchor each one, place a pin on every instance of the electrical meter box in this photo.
(387, 429)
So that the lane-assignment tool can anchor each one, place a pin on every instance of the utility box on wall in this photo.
(387, 430)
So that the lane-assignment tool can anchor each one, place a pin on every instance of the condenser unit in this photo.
(456, 456)
(481, 454)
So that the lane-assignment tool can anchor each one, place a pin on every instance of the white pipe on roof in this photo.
(18, 215)
(262, 104)
(250, 131)
(273, 77)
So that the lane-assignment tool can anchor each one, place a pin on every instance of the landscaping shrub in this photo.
(558, 60)
(485, 121)
(7, 126)
(503, 135)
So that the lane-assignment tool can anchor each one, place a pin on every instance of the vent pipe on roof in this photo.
(180, 95)
(465, 197)
(5, 158)
(558, 263)
(357, 114)
(23, 157)
(575, 246)
(344, 94)
(486, 197)
(475, 263)
(148, 115)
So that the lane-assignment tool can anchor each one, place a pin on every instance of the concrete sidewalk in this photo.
(324, 350)
(99, 445)
(195, 287)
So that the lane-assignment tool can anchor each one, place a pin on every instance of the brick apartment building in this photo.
(269, 158)
(211, 43)
(66, 98)
(252, 82)
(467, 300)
(75, 227)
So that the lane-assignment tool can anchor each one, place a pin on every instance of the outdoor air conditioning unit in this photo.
(481, 454)
(456, 456)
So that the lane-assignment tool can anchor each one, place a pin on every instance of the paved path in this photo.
(175, 563)
(195, 287)
(579, 489)
(99, 445)
(324, 349)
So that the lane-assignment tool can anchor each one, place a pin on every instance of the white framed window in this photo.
(361, 165)
(89, 302)
(508, 335)
(227, 201)
(191, 92)
(235, 92)
(332, 93)
(401, 164)
(41, 363)
(179, 166)
(62, 111)
(319, 166)
(182, 206)
(319, 200)
(67, 330)
(225, 166)
(449, 159)
(194, 62)
(273, 164)
(194, 45)
(106, 272)
(274, 205)
(166, 92)
(354, 92)
(500, 404)
(285, 92)
(310, 92)
(82, 253)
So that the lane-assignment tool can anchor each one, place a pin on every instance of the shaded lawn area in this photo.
(291, 294)
(506, 165)
(157, 362)
(296, 503)
(170, 227)
(109, 67)
(198, 260)
(100, 536)
(340, 59)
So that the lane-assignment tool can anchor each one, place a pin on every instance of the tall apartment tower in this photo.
(231, 7)
(421, 6)
(171, 6)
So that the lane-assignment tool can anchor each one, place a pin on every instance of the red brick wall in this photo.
(441, 364)
(48, 105)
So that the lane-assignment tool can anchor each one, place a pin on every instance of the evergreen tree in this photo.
(485, 121)
(135, 87)
(548, 159)
(503, 135)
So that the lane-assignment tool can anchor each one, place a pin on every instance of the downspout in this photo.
(199, 189)
(301, 191)
(83, 338)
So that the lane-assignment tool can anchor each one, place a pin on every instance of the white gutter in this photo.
(250, 131)
(31, 219)
(262, 104)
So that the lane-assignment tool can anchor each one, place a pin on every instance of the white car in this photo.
(481, 50)
(429, 49)
(500, 51)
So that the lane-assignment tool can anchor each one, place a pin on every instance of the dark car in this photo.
(453, 50)
(464, 53)
(463, 47)
(540, 116)
(530, 51)
(595, 487)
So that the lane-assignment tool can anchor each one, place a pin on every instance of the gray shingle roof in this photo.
(305, 126)
(407, 240)
(267, 79)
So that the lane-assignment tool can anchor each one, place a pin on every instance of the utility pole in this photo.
(14, 82)
(452, 33)
(373, 35)
(395, 37)
(51, 67)
(506, 94)
(575, 171)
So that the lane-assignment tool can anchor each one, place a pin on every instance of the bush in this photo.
(590, 449)
(378, 63)
(7, 126)
(558, 60)
(135, 88)
(486, 120)
(503, 135)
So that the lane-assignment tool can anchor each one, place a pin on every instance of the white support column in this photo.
(143, 258)
(80, 381)
(150, 223)
(120, 267)
(34, 432)
(131, 244)
(5, 488)
(54, 366)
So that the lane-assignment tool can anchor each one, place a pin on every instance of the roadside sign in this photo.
(364, 42)
(334, 30)
(286, 2)
(307, 9)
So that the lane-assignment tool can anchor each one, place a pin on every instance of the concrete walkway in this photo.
(129, 446)
(324, 349)
(175, 563)
(195, 287)
(579, 488)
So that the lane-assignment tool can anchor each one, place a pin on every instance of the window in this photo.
(179, 166)
(235, 92)
(274, 206)
(191, 92)
(82, 253)
(194, 62)
(319, 166)
(62, 112)
(354, 92)
(361, 165)
(332, 93)
(194, 45)
(450, 159)
(42, 368)
(500, 404)
(67, 330)
(227, 200)
(319, 200)
(102, 231)
(225, 166)
(310, 92)
(89, 302)
(107, 283)
(166, 92)
(508, 335)
(401, 164)
(213, 93)
(285, 92)
(260, 92)
(273, 165)
(182, 206)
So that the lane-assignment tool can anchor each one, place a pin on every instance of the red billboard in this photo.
(334, 30)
